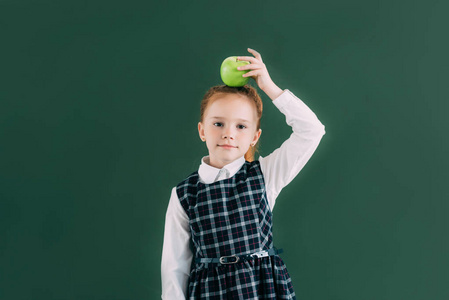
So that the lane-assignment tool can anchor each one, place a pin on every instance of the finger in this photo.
(255, 53)
(250, 67)
(248, 58)
(250, 74)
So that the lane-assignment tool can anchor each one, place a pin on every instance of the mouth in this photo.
(227, 146)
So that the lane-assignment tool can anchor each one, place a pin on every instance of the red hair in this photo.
(247, 91)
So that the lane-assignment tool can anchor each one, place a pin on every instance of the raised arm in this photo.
(284, 163)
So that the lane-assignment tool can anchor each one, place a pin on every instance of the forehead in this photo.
(231, 106)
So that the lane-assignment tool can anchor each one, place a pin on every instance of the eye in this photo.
(241, 126)
(218, 124)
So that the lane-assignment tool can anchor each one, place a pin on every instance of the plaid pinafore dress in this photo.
(232, 217)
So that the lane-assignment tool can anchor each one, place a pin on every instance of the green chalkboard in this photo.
(99, 104)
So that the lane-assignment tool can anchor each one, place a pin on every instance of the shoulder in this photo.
(254, 165)
(185, 188)
(251, 169)
(249, 166)
(186, 184)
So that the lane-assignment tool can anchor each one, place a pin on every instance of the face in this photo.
(229, 127)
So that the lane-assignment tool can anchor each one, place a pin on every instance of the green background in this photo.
(99, 104)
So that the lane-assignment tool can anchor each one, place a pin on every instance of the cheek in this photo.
(212, 130)
(246, 137)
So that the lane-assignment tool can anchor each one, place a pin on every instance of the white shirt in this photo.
(278, 168)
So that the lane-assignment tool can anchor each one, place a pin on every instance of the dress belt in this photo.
(232, 259)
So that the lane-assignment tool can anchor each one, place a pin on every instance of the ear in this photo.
(257, 136)
(201, 131)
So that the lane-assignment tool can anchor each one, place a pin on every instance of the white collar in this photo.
(209, 174)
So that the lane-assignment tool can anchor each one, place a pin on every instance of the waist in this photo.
(232, 259)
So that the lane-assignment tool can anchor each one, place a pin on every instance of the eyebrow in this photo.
(219, 118)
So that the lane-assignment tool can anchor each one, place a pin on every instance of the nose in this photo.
(228, 134)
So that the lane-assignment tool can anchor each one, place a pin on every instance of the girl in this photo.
(218, 229)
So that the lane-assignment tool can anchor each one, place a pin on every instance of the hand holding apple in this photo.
(258, 69)
(229, 73)
(236, 70)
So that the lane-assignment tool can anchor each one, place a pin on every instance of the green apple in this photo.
(229, 73)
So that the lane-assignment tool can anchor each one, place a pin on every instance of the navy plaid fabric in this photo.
(232, 217)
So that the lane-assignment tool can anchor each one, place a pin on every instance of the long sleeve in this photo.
(176, 253)
(284, 163)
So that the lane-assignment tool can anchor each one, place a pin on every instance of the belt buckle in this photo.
(260, 254)
(223, 262)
